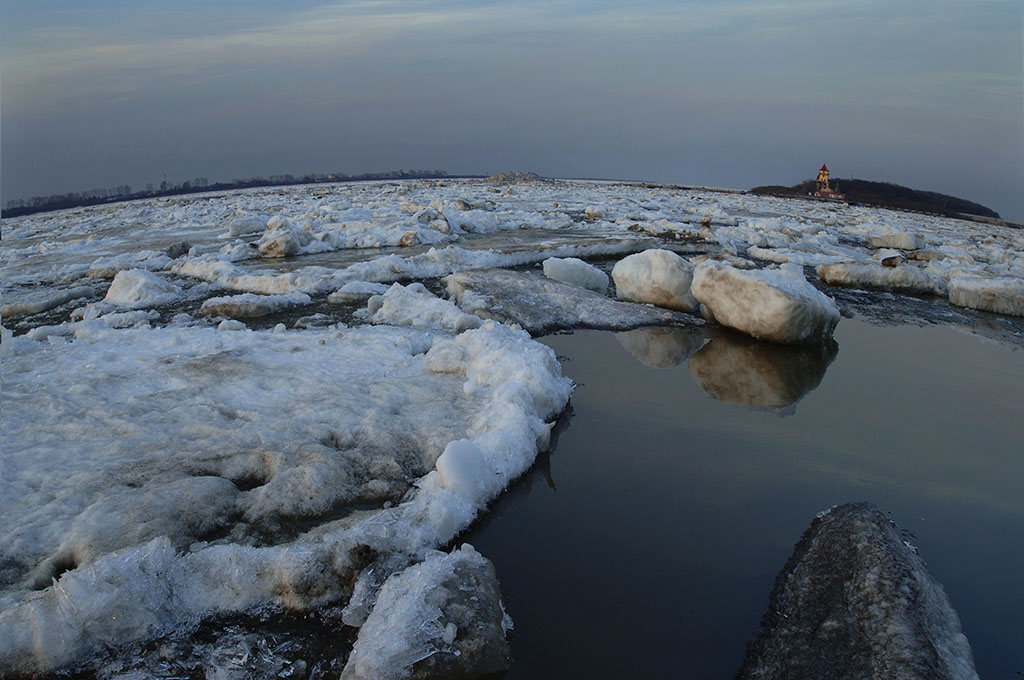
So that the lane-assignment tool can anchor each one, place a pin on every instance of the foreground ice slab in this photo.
(738, 369)
(541, 305)
(854, 601)
(442, 618)
(657, 277)
(192, 462)
(777, 305)
(900, 279)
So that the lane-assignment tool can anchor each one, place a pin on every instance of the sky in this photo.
(723, 93)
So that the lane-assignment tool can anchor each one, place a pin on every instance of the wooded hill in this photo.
(887, 195)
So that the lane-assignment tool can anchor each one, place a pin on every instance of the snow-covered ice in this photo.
(224, 437)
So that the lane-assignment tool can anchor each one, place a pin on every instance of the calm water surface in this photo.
(646, 544)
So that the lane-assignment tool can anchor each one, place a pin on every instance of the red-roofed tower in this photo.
(823, 179)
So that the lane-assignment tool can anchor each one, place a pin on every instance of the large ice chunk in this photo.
(901, 279)
(441, 618)
(138, 288)
(1002, 295)
(777, 305)
(657, 277)
(577, 272)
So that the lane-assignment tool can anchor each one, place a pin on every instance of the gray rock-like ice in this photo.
(777, 305)
(854, 601)
(541, 305)
(657, 277)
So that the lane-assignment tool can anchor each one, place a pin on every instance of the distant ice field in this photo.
(222, 405)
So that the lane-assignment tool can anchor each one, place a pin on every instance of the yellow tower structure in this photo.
(823, 186)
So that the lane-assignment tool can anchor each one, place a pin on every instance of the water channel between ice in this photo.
(646, 543)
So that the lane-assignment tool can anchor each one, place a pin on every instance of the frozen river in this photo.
(233, 448)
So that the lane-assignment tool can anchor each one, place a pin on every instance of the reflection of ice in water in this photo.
(661, 347)
(741, 370)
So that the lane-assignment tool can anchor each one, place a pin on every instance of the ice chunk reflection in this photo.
(661, 347)
(741, 370)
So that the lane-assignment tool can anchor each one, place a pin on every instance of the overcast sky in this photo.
(731, 93)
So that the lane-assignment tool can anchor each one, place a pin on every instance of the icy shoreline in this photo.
(184, 449)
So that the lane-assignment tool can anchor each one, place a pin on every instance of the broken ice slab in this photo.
(541, 305)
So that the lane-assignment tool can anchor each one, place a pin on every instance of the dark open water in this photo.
(646, 544)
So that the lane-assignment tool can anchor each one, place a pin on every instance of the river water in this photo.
(646, 543)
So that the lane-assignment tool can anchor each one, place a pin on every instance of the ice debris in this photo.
(897, 239)
(441, 618)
